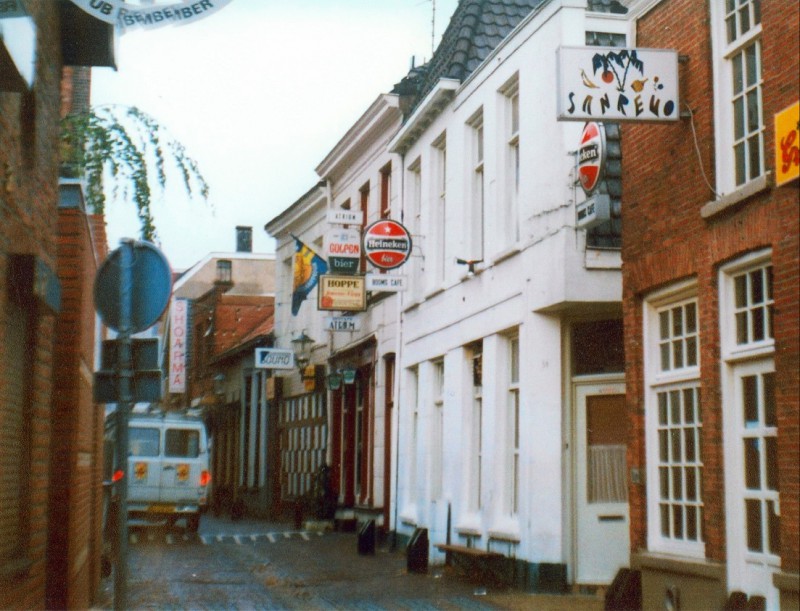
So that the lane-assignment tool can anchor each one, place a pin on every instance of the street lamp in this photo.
(300, 343)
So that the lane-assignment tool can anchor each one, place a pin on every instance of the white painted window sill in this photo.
(712, 208)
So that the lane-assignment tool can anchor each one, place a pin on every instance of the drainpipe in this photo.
(398, 366)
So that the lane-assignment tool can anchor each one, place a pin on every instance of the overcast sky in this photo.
(259, 93)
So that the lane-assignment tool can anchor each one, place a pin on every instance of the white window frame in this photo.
(512, 428)
(413, 442)
(438, 216)
(658, 382)
(417, 260)
(510, 218)
(475, 445)
(477, 187)
(437, 431)
(741, 360)
(724, 57)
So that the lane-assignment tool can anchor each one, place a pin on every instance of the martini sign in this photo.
(387, 244)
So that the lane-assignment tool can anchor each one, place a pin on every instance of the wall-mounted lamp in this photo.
(345, 375)
(348, 374)
(301, 358)
(219, 384)
(470, 263)
(334, 380)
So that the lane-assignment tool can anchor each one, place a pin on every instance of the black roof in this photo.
(476, 28)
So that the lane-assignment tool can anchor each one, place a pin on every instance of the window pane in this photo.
(759, 324)
(730, 22)
(744, 17)
(773, 524)
(741, 328)
(691, 523)
(772, 463)
(750, 398)
(751, 57)
(677, 350)
(675, 435)
(754, 536)
(663, 320)
(768, 381)
(754, 148)
(182, 443)
(665, 362)
(740, 289)
(143, 442)
(677, 484)
(752, 464)
(691, 351)
(675, 406)
(688, 406)
(677, 321)
(738, 152)
(662, 408)
(738, 74)
(677, 521)
(663, 446)
(691, 483)
(664, 520)
(691, 318)
(689, 445)
(663, 476)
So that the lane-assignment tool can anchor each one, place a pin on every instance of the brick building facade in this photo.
(710, 297)
(36, 314)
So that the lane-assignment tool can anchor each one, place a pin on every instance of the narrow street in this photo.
(265, 565)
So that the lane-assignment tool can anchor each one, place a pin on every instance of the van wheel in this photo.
(193, 522)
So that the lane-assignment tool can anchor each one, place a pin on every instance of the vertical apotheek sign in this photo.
(178, 320)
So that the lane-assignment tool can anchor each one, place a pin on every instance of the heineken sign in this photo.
(387, 244)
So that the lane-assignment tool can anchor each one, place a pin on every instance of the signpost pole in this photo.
(125, 399)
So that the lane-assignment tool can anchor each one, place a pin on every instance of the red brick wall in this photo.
(28, 179)
(666, 239)
(76, 464)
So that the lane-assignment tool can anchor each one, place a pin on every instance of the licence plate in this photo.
(161, 508)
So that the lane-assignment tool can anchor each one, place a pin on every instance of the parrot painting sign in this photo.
(614, 84)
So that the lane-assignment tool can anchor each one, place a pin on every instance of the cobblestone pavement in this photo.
(266, 565)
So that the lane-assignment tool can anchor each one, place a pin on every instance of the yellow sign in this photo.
(182, 472)
(345, 293)
(787, 144)
(140, 470)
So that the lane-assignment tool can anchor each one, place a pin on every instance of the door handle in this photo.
(167, 467)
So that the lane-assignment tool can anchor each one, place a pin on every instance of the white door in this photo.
(752, 483)
(602, 532)
(144, 464)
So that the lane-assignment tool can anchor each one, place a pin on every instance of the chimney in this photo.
(244, 239)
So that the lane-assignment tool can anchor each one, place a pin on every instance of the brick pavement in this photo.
(265, 565)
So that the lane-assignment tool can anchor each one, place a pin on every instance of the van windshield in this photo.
(143, 442)
(182, 443)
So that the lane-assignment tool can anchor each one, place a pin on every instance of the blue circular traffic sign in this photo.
(150, 291)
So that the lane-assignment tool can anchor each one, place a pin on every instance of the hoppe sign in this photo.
(387, 244)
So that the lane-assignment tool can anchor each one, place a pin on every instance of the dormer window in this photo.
(224, 271)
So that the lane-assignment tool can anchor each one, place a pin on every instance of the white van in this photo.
(168, 467)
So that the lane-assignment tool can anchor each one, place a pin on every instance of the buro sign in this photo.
(387, 244)
(591, 156)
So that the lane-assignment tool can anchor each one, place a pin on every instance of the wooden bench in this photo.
(479, 563)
